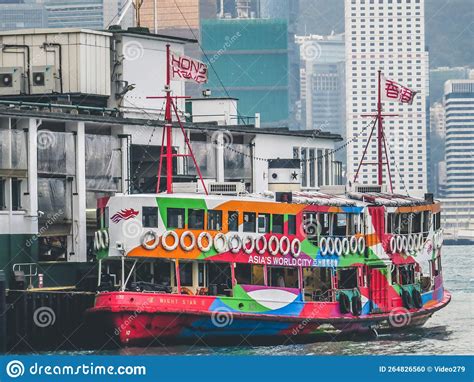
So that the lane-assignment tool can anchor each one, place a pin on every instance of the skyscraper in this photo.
(387, 35)
(75, 13)
(459, 106)
(16, 15)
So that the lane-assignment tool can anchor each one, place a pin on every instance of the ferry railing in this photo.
(30, 271)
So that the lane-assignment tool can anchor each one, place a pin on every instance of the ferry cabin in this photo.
(367, 253)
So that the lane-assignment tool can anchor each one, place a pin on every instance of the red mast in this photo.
(170, 106)
(381, 144)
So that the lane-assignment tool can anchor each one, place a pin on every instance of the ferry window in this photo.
(149, 217)
(416, 222)
(407, 274)
(249, 274)
(106, 217)
(291, 225)
(3, 205)
(263, 223)
(404, 223)
(347, 278)
(351, 224)
(175, 217)
(390, 223)
(98, 217)
(214, 220)
(161, 272)
(219, 278)
(195, 219)
(310, 226)
(249, 221)
(317, 283)
(426, 221)
(16, 194)
(324, 223)
(277, 223)
(186, 273)
(283, 277)
(340, 225)
(233, 221)
(201, 274)
(394, 275)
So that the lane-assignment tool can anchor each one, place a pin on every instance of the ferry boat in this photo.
(215, 266)
(272, 266)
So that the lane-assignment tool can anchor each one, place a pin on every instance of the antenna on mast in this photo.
(137, 4)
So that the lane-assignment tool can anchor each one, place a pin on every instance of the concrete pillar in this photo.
(78, 250)
(125, 175)
(31, 200)
(220, 142)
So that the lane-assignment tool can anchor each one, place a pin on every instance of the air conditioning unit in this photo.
(11, 81)
(43, 79)
(226, 188)
(370, 188)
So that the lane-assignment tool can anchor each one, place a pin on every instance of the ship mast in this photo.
(381, 143)
(170, 107)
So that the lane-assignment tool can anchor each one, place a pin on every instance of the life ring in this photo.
(338, 246)
(404, 244)
(201, 236)
(285, 243)
(273, 245)
(239, 243)
(411, 243)
(393, 244)
(103, 239)
(175, 237)
(353, 244)
(323, 246)
(294, 252)
(416, 298)
(97, 245)
(248, 239)
(220, 237)
(344, 303)
(182, 241)
(356, 305)
(361, 245)
(345, 246)
(399, 244)
(419, 242)
(154, 237)
(261, 250)
(330, 245)
(406, 299)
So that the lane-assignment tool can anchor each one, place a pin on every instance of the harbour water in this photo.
(449, 331)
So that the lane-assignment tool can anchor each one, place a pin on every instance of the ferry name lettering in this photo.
(287, 261)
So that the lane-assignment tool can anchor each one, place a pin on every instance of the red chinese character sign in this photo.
(392, 91)
(187, 69)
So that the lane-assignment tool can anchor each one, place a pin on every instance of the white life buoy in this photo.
(294, 252)
(285, 245)
(147, 236)
(330, 245)
(411, 243)
(261, 249)
(419, 242)
(361, 245)
(273, 245)
(404, 244)
(338, 246)
(97, 245)
(204, 248)
(182, 241)
(346, 249)
(230, 243)
(175, 237)
(399, 243)
(353, 244)
(220, 238)
(323, 246)
(248, 239)
(104, 239)
(393, 244)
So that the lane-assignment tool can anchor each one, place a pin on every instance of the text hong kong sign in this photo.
(393, 91)
(187, 69)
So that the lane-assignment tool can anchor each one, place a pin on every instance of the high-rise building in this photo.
(438, 76)
(437, 164)
(17, 15)
(390, 36)
(459, 106)
(322, 72)
(249, 59)
(75, 13)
